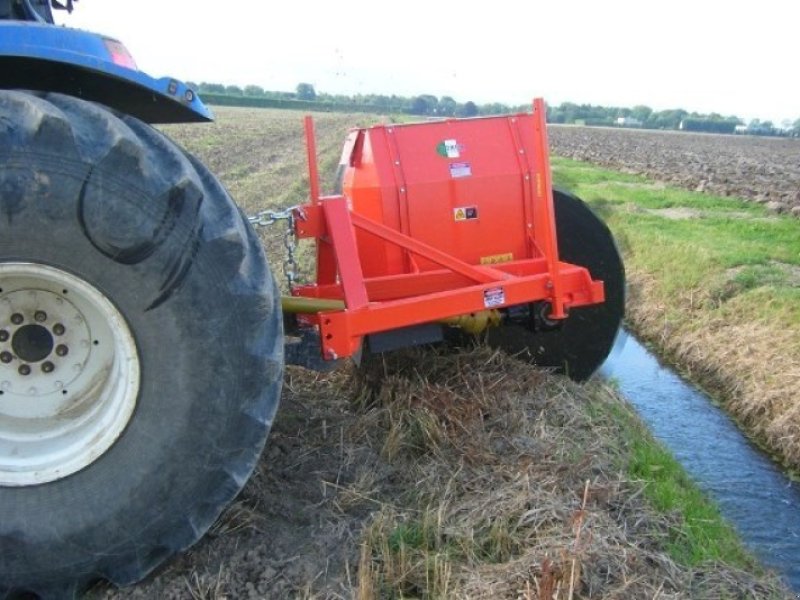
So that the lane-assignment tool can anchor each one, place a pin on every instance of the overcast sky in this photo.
(703, 55)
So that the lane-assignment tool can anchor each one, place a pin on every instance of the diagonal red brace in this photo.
(474, 273)
(340, 230)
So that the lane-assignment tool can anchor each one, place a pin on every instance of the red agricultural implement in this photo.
(141, 331)
(453, 223)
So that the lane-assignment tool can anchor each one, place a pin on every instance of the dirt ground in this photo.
(760, 169)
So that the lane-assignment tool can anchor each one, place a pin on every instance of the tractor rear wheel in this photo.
(581, 343)
(140, 347)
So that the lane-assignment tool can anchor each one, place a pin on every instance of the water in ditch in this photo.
(751, 491)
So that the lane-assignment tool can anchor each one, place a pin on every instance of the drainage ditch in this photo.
(756, 497)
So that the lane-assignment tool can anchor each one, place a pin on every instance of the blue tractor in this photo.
(140, 329)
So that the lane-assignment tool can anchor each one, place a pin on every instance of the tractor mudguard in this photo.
(43, 57)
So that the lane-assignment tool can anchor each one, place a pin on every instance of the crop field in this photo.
(434, 474)
(765, 170)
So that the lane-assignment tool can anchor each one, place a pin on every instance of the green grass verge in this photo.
(698, 533)
(703, 249)
(701, 535)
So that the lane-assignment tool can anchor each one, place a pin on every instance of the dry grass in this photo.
(511, 489)
(751, 363)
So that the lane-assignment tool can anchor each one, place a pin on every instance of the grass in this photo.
(698, 534)
(714, 284)
(702, 536)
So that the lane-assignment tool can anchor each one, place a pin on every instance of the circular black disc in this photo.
(581, 344)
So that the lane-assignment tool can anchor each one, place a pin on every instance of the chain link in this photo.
(265, 218)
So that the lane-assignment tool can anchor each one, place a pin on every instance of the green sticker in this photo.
(448, 149)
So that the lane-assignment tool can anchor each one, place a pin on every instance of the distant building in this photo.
(628, 122)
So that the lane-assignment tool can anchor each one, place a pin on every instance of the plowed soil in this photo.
(761, 169)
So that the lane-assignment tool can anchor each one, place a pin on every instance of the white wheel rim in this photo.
(69, 374)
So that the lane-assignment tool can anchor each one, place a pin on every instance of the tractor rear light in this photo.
(119, 54)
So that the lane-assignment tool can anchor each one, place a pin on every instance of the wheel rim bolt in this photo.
(17, 319)
(48, 367)
(40, 316)
(3, 335)
(24, 370)
(62, 350)
(59, 329)
(6, 357)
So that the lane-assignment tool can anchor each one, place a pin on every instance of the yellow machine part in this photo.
(473, 323)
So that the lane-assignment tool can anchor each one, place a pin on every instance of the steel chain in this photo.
(265, 218)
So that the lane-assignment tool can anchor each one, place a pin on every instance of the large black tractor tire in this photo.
(103, 219)
(580, 345)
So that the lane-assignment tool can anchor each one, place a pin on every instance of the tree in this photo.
(469, 109)
(253, 90)
(233, 90)
(424, 104)
(419, 106)
(667, 119)
(211, 88)
(641, 112)
(569, 111)
(494, 108)
(554, 115)
(447, 106)
(305, 91)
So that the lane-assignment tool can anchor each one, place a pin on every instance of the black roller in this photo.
(583, 341)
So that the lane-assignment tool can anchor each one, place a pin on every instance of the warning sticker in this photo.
(465, 213)
(496, 259)
(494, 297)
(449, 148)
(460, 169)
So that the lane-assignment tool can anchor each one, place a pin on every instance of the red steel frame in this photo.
(390, 302)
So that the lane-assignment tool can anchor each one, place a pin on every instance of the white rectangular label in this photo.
(460, 169)
(494, 297)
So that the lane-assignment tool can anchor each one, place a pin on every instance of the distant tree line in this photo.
(423, 105)
(429, 105)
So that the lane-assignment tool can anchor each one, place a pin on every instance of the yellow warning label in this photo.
(465, 213)
(497, 258)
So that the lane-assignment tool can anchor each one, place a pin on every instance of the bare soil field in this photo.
(457, 475)
(765, 170)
